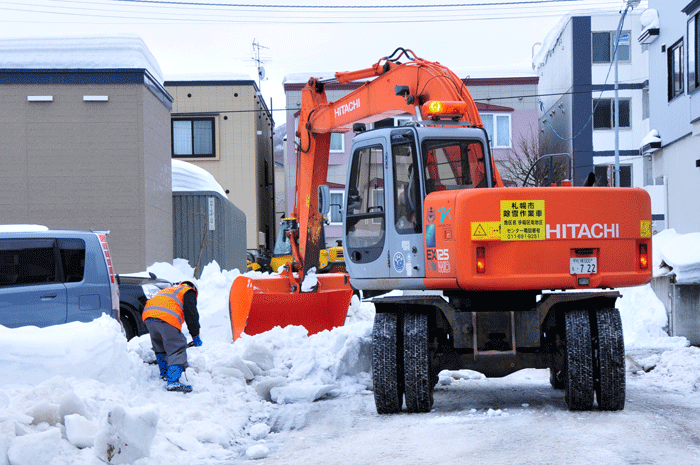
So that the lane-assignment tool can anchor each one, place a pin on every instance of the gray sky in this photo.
(310, 36)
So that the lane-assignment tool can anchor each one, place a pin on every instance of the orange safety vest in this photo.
(167, 305)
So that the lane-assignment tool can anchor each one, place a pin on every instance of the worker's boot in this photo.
(174, 384)
(162, 365)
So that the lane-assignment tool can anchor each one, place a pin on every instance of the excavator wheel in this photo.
(578, 375)
(419, 388)
(387, 373)
(610, 366)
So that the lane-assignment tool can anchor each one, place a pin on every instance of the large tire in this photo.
(418, 385)
(387, 375)
(578, 376)
(610, 366)
(128, 323)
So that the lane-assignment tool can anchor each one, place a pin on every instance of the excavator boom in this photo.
(392, 88)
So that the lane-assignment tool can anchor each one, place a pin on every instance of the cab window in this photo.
(365, 218)
(453, 164)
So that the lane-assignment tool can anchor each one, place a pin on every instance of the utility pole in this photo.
(630, 4)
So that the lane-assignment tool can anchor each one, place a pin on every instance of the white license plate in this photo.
(583, 265)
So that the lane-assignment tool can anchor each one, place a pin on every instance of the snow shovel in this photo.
(259, 304)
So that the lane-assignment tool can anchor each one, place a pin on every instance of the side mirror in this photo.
(324, 199)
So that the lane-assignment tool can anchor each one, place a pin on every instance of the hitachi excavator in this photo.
(482, 267)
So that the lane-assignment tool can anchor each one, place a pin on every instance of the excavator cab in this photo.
(391, 173)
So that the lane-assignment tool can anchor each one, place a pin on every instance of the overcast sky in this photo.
(310, 36)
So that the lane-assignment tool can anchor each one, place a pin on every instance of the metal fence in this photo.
(207, 227)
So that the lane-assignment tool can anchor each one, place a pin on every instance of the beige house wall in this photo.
(243, 147)
(70, 163)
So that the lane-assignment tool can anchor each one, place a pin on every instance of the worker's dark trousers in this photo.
(166, 338)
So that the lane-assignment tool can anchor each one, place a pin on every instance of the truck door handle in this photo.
(48, 296)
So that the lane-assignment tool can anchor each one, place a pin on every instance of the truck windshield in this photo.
(453, 164)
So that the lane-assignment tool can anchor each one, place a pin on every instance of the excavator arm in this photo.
(392, 88)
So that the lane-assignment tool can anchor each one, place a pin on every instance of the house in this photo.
(576, 89)
(505, 100)
(671, 39)
(221, 124)
(85, 132)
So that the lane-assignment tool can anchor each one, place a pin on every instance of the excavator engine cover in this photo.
(259, 304)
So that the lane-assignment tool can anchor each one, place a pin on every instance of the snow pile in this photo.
(652, 136)
(94, 350)
(78, 393)
(188, 177)
(649, 19)
(675, 370)
(644, 319)
(92, 52)
(677, 254)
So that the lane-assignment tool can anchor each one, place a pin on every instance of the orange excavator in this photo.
(482, 267)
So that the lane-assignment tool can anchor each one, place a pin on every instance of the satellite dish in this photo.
(261, 72)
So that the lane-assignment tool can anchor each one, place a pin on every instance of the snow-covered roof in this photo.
(517, 70)
(221, 76)
(13, 228)
(302, 78)
(123, 51)
(189, 178)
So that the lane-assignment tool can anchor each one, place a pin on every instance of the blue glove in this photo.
(197, 341)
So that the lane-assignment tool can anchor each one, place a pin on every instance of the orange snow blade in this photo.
(259, 304)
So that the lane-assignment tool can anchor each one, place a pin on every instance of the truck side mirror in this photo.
(324, 199)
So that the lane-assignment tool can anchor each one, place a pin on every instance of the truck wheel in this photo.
(386, 364)
(128, 323)
(610, 388)
(578, 375)
(419, 388)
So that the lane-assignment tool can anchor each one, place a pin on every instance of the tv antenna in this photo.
(258, 61)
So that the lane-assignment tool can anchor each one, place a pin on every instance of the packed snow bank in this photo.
(677, 254)
(94, 350)
(78, 393)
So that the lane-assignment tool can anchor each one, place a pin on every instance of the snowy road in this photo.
(527, 424)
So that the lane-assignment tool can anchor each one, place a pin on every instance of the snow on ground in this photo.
(78, 393)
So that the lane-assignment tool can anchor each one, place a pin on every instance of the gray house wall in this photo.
(676, 164)
(105, 164)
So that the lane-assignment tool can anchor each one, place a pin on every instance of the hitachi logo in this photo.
(348, 107)
(583, 231)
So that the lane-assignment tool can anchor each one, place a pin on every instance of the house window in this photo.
(604, 113)
(603, 46)
(193, 137)
(675, 70)
(498, 128)
(337, 142)
(336, 216)
(693, 52)
(392, 122)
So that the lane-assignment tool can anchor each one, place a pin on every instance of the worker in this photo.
(163, 315)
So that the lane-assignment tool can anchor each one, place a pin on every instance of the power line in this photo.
(329, 7)
(281, 17)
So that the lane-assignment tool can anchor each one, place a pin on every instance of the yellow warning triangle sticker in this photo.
(479, 231)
